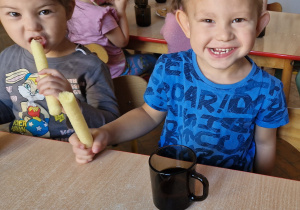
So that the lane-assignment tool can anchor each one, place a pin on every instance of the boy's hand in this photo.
(85, 155)
(53, 84)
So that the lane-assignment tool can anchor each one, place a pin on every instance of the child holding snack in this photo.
(171, 31)
(213, 98)
(72, 68)
(108, 27)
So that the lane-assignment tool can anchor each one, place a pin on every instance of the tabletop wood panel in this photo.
(43, 173)
(282, 35)
(37, 173)
(157, 22)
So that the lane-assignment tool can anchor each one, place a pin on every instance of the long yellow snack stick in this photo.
(70, 105)
(41, 63)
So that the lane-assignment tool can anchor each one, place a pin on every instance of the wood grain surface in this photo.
(37, 173)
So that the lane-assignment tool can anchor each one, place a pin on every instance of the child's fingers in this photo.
(83, 160)
(53, 85)
(53, 91)
(73, 139)
(98, 146)
(55, 77)
(52, 72)
(82, 151)
(82, 154)
(100, 140)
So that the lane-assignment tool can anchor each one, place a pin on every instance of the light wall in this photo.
(291, 6)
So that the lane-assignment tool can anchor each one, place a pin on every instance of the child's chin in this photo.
(219, 65)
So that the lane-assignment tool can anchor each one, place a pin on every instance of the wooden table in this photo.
(147, 39)
(277, 49)
(36, 173)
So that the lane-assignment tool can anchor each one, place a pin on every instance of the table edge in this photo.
(275, 55)
(252, 52)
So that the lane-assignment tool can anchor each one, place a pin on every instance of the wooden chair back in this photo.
(297, 80)
(276, 7)
(129, 91)
(291, 131)
(99, 50)
(5, 40)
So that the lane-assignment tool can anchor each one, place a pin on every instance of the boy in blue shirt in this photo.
(214, 99)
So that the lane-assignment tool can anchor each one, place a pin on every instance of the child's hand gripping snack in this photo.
(41, 63)
(70, 105)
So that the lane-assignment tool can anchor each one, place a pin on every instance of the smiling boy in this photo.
(214, 99)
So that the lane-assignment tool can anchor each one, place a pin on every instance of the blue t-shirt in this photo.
(217, 121)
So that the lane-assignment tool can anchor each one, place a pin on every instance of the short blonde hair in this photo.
(182, 3)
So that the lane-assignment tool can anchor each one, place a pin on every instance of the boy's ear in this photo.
(183, 22)
(70, 9)
(262, 22)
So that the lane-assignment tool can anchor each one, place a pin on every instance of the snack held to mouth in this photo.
(41, 63)
(70, 105)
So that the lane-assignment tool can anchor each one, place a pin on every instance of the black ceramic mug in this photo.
(173, 175)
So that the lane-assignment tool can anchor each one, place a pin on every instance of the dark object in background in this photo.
(160, 1)
(142, 13)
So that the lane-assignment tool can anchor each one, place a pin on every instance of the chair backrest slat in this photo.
(291, 131)
(129, 91)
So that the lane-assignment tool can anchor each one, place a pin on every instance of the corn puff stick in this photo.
(70, 105)
(41, 63)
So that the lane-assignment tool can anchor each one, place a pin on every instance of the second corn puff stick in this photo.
(70, 105)
(41, 63)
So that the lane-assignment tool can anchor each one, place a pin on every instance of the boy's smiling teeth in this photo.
(218, 51)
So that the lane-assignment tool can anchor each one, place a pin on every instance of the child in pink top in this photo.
(172, 33)
(108, 27)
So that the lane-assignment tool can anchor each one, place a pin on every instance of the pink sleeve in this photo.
(109, 20)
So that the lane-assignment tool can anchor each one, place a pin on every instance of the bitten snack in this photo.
(70, 105)
(41, 63)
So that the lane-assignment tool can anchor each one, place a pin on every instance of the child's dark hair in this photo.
(67, 5)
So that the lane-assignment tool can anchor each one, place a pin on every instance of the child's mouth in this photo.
(220, 51)
(40, 39)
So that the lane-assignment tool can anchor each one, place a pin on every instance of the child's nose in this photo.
(32, 24)
(224, 33)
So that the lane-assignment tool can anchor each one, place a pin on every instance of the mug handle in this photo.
(205, 184)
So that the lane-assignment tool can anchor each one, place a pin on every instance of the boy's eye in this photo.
(45, 12)
(208, 21)
(14, 14)
(238, 20)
